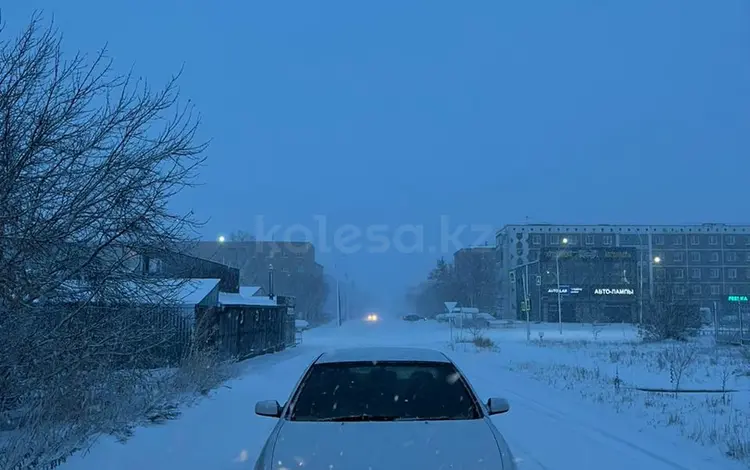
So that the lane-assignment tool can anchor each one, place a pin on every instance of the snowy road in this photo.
(546, 430)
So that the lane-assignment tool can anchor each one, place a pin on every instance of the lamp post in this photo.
(221, 239)
(559, 294)
(651, 263)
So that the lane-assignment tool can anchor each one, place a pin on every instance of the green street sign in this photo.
(737, 298)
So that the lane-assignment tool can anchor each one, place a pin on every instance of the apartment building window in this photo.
(679, 273)
(679, 290)
(695, 257)
(747, 256)
(714, 257)
(677, 240)
(732, 273)
(715, 290)
(695, 273)
(659, 240)
(731, 240)
(589, 239)
(714, 273)
(732, 257)
(694, 240)
(536, 239)
(731, 290)
(554, 239)
(678, 257)
(573, 240)
(697, 289)
(607, 240)
(713, 240)
(747, 241)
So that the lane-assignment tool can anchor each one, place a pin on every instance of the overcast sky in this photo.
(474, 113)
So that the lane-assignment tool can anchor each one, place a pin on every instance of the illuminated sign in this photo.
(561, 290)
(565, 290)
(737, 298)
(604, 291)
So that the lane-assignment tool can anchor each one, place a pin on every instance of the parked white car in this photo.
(384, 408)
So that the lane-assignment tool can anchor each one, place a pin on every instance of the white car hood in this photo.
(428, 445)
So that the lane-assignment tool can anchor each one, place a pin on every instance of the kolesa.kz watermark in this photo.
(375, 238)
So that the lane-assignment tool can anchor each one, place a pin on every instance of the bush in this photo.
(668, 318)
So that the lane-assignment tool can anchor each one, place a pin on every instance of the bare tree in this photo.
(679, 357)
(241, 236)
(476, 282)
(312, 292)
(671, 314)
(88, 162)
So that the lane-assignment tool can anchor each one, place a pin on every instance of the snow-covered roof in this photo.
(227, 298)
(185, 292)
(249, 291)
(195, 290)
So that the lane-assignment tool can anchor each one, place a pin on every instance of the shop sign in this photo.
(616, 291)
(565, 290)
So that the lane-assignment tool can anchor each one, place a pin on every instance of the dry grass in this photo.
(718, 420)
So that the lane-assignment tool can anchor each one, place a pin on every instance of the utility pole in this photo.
(339, 320)
(526, 302)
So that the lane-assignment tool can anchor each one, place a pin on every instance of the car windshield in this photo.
(383, 391)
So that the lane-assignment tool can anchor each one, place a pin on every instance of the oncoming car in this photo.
(384, 408)
(372, 317)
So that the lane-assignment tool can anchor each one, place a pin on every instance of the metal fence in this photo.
(163, 336)
(248, 331)
(732, 324)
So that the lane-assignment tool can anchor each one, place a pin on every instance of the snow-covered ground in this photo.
(608, 365)
(565, 414)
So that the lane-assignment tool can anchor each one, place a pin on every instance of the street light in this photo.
(657, 260)
(559, 295)
(222, 239)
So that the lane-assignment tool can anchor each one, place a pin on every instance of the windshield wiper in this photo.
(362, 417)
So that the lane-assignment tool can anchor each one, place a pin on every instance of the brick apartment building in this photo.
(475, 273)
(706, 262)
(296, 273)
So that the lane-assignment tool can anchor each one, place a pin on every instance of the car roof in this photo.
(389, 354)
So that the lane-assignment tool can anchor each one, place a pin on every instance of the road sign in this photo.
(450, 306)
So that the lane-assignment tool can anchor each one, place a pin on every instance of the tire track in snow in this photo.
(588, 428)
(571, 428)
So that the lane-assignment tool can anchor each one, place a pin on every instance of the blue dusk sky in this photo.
(416, 114)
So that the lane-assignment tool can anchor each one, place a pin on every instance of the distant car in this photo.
(413, 317)
(394, 408)
(372, 317)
